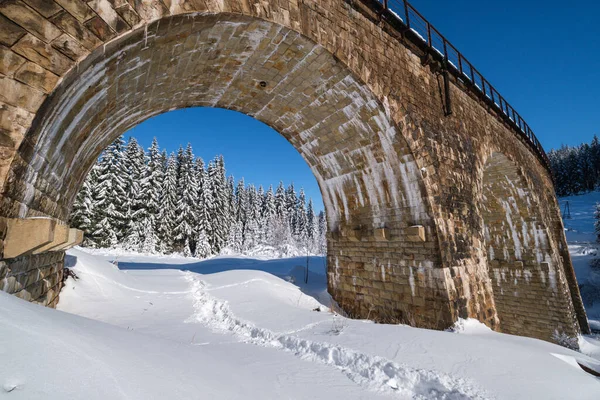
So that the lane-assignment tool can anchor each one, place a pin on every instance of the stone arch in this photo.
(524, 263)
(373, 191)
(408, 248)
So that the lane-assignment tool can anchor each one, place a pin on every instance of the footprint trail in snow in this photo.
(375, 373)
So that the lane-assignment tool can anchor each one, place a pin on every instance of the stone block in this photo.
(415, 233)
(75, 238)
(26, 235)
(69, 47)
(9, 61)
(37, 77)
(78, 8)
(20, 95)
(382, 234)
(353, 235)
(60, 238)
(9, 31)
(27, 18)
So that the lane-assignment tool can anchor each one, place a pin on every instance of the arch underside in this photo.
(524, 264)
(372, 189)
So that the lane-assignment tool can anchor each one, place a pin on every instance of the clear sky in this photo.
(542, 56)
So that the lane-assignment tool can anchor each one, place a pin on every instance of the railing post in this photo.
(429, 34)
(406, 13)
(385, 4)
(446, 52)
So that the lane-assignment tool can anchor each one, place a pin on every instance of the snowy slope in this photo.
(242, 325)
(579, 227)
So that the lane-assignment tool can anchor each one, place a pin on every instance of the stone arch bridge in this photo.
(432, 217)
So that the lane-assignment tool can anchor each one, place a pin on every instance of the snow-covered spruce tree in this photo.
(268, 216)
(108, 194)
(219, 210)
(312, 229)
(280, 201)
(150, 194)
(187, 197)
(597, 222)
(595, 160)
(168, 207)
(301, 219)
(203, 248)
(231, 202)
(204, 205)
(83, 208)
(291, 204)
(153, 180)
(241, 207)
(135, 164)
(251, 233)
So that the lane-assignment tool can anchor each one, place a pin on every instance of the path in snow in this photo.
(375, 373)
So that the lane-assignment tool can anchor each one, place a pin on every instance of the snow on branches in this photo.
(154, 203)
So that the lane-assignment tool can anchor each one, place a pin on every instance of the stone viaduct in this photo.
(432, 217)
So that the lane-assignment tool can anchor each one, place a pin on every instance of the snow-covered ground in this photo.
(579, 226)
(231, 328)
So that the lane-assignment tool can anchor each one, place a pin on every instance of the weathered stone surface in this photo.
(356, 102)
(19, 95)
(77, 8)
(47, 8)
(69, 47)
(24, 236)
(42, 54)
(382, 234)
(74, 238)
(10, 61)
(10, 32)
(29, 19)
(76, 29)
(415, 233)
(37, 77)
(59, 239)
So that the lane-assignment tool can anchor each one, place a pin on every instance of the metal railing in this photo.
(414, 23)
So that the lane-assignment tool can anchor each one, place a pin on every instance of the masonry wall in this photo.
(387, 159)
(530, 289)
(36, 278)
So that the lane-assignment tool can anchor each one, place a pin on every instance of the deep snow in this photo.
(230, 328)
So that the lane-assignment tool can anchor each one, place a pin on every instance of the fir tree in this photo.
(204, 228)
(597, 222)
(187, 196)
(147, 202)
(168, 209)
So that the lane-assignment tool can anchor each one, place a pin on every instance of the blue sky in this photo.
(542, 56)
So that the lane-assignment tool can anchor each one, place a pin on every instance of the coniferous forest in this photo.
(151, 202)
(576, 169)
